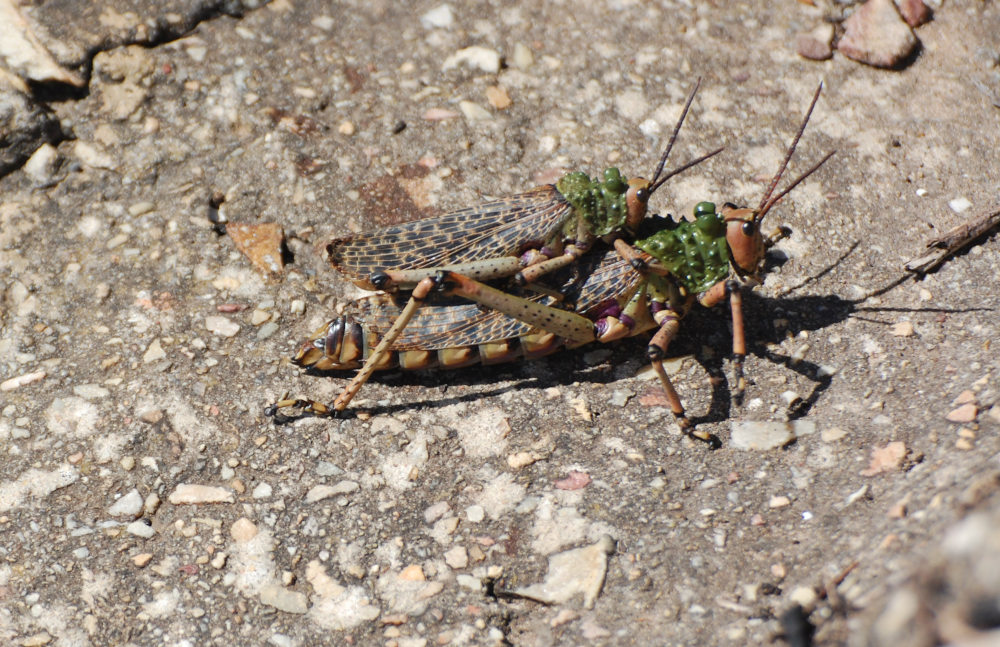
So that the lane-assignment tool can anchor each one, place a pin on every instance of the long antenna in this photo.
(788, 156)
(673, 137)
(760, 214)
(681, 169)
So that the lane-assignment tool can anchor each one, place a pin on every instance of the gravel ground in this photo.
(146, 499)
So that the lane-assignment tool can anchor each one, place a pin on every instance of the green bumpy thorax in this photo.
(695, 252)
(601, 205)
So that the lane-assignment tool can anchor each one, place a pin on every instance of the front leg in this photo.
(739, 339)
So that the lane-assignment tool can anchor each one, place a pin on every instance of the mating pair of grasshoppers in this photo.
(559, 266)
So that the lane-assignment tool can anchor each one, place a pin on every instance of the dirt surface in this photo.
(402, 524)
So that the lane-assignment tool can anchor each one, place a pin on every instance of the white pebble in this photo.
(958, 205)
(523, 58)
(140, 529)
(475, 513)
(129, 505)
(21, 380)
(483, 58)
(222, 326)
(194, 493)
(42, 163)
(474, 111)
(440, 16)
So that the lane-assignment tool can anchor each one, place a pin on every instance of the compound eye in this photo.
(748, 229)
(642, 195)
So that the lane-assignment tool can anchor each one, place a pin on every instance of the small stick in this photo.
(954, 240)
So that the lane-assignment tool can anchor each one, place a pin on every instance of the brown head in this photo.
(746, 244)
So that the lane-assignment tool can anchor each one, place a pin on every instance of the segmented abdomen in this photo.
(451, 333)
(344, 344)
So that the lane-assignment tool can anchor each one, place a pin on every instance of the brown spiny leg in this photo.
(373, 361)
(564, 323)
(739, 339)
(715, 295)
(657, 350)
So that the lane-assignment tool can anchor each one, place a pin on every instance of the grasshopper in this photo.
(450, 319)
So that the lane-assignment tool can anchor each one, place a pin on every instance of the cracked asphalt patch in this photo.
(145, 498)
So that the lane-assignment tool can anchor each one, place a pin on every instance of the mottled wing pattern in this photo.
(608, 278)
(435, 327)
(491, 230)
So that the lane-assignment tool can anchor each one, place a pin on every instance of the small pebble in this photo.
(412, 573)
(154, 352)
(778, 502)
(473, 111)
(523, 59)
(277, 596)
(21, 380)
(326, 23)
(439, 114)
(151, 416)
(885, 459)
(42, 163)
(222, 326)
(142, 559)
(243, 530)
(151, 504)
(267, 330)
(965, 413)
(140, 529)
(192, 493)
(440, 16)
(140, 208)
(262, 491)
(498, 97)
(760, 435)
(876, 35)
(518, 460)
(964, 397)
(91, 391)
(914, 12)
(457, 557)
(129, 505)
(476, 57)
(898, 510)
(903, 329)
(475, 513)
(833, 434)
(816, 45)
(576, 480)
(959, 205)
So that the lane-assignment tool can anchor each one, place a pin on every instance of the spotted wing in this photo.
(491, 230)
(607, 278)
